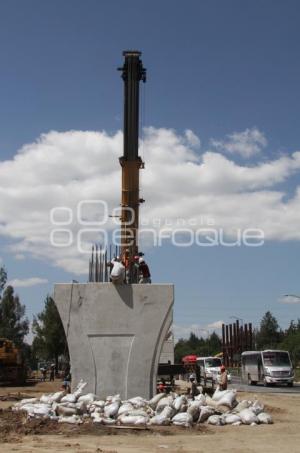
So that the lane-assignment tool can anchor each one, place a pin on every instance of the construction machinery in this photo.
(12, 369)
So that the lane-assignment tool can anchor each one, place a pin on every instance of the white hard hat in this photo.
(141, 260)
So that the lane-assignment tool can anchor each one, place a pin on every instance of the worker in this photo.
(117, 273)
(67, 380)
(223, 380)
(145, 276)
(192, 387)
(52, 372)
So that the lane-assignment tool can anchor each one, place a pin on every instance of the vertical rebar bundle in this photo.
(235, 340)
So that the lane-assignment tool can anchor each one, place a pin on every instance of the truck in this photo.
(268, 367)
(12, 369)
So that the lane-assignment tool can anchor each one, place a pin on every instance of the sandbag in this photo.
(166, 401)
(257, 407)
(247, 416)
(228, 399)
(65, 411)
(200, 398)
(124, 408)
(137, 402)
(229, 419)
(215, 420)
(194, 409)
(182, 419)
(244, 404)
(153, 402)
(205, 413)
(74, 420)
(218, 394)
(160, 420)
(265, 418)
(69, 398)
(179, 402)
(111, 410)
(133, 420)
(168, 412)
(88, 398)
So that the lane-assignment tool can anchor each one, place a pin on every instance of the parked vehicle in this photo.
(210, 369)
(267, 367)
(12, 368)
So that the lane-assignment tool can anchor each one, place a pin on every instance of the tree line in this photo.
(49, 342)
(268, 335)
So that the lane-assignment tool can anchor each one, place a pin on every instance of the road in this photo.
(237, 384)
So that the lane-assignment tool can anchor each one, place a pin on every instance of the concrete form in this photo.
(115, 334)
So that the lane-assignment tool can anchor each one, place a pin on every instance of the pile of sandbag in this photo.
(172, 409)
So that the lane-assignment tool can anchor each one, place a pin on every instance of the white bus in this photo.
(267, 367)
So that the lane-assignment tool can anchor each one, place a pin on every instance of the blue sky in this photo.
(215, 68)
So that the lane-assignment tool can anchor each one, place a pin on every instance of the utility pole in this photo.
(132, 73)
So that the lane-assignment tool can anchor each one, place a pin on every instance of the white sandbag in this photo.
(46, 399)
(88, 398)
(69, 398)
(138, 412)
(65, 411)
(153, 402)
(99, 403)
(228, 399)
(166, 401)
(218, 394)
(41, 409)
(194, 409)
(264, 417)
(231, 418)
(74, 420)
(111, 410)
(179, 402)
(215, 404)
(168, 412)
(182, 419)
(108, 421)
(247, 416)
(97, 418)
(215, 420)
(29, 408)
(244, 404)
(159, 420)
(200, 398)
(81, 407)
(205, 413)
(257, 407)
(133, 420)
(137, 402)
(237, 423)
(124, 408)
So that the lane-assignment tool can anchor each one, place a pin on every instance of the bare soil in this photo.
(17, 435)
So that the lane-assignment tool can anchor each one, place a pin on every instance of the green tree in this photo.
(3, 279)
(291, 342)
(269, 334)
(13, 324)
(50, 340)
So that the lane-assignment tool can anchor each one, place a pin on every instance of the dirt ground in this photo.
(41, 436)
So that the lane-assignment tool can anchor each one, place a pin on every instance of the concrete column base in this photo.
(115, 334)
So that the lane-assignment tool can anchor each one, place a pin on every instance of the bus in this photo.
(267, 367)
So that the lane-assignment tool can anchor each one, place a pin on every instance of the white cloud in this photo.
(192, 139)
(246, 143)
(63, 168)
(185, 331)
(290, 299)
(27, 282)
(19, 257)
(215, 325)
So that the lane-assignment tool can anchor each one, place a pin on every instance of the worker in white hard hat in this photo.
(117, 273)
(145, 276)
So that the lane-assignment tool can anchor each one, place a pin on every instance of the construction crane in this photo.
(132, 73)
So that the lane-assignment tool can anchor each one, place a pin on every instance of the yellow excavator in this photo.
(12, 369)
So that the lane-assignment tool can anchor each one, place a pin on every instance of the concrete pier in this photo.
(115, 334)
